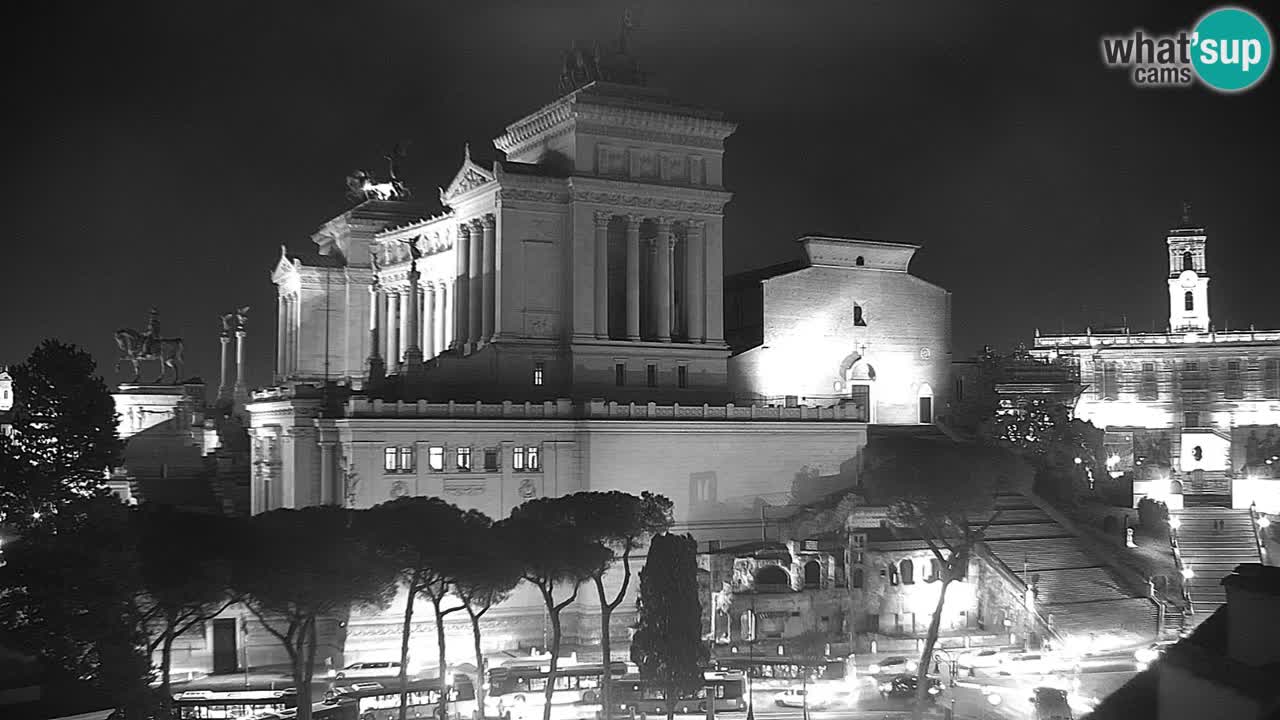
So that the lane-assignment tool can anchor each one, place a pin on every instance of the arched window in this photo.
(908, 572)
(772, 575)
(1175, 488)
(858, 578)
(812, 574)
(1188, 301)
(935, 570)
(1188, 261)
(860, 261)
(858, 320)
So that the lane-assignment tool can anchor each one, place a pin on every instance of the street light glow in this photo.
(1264, 522)
(1187, 573)
(1174, 523)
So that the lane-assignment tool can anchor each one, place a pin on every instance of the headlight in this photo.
(912, 666)
(1145, 656)
(885, 687)
(933, 691)
(873, 669)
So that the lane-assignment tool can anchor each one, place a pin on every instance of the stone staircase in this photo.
(1213, 553)
(1076, 592)
(1206, 488)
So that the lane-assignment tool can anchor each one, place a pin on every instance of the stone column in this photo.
(662, 280)
(393, 334)
(328, 491)
(602, 274)
(714, 274)
(295, 332)
(694, 289)
(461, 313)
(429, 320)
(222, 386)
(241, 392)
(444, 328)
(376, 368)
(488, 284)
(412, 350)
(633, 277)
(475, 286)
(282, 335)
(405, 305)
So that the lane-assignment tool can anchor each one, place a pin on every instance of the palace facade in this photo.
(1194, 410)
(560, 326)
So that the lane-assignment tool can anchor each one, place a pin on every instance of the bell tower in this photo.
(1188, 277)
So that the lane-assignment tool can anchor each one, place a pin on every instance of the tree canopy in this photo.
(668, 641)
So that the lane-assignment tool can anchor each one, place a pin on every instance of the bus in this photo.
(319, 711)
(638, 695)
(381, 701)
(232, 704)
(782, 672)
(517, 690)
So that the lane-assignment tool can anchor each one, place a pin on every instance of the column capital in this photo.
(695, 225)
(633, 221)
(663, 223)
(602, 218)
(464, 229)
(488, 221)
(477, 225)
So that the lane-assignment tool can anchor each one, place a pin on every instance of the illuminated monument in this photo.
(558, 325)
(1195, 409)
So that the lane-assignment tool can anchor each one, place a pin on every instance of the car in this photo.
(1028, 664)
(1147, 655)
(894, 666)
(1050, 703)
(793, 697)
(368, 669)
(903, 687)
(985, 658)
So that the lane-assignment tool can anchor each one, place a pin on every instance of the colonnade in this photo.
(658, 301)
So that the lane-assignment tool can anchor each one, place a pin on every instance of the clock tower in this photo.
(1188, 278)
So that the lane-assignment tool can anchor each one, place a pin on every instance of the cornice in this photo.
(534, 125)
(615, 193)
(677, 140)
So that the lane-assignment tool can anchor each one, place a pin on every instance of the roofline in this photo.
(842, 238)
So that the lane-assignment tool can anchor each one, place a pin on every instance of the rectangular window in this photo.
(397, 459)
(532, 459)
(682, 376)
(390, 460)
(1191, 419)
(464, 458)
(517, 459)
(1110, 389)
(1233, 389)
(1233, 365)
(406, 459)
(537, 373)
(926, 410)
(491, 459)
(620, 374)
(1271, 378)
(859, 403)
(435, 458)
(1191, 366)
(651, 375)
(1148, 367)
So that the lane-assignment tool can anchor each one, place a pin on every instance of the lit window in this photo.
(398, 459)
(1189, 301)
(464, 458)
(406, 459)
(620, 374)
(531, 456)
(537, 373)
(490, 459)
(389, 460)
(651, 375)
(435, 459)
(517, 459)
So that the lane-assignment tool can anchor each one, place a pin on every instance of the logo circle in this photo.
(1231, 49)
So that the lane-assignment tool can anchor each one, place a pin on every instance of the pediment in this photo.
(469, 177)
(284, 268)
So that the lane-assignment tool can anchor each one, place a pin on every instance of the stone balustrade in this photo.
(565, 409)
(1193, 338)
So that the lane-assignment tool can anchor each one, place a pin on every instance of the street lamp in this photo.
(1174, 523)
(1187, 573)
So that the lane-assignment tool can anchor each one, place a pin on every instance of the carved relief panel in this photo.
(644, 164)
(611, 160)
(675, 168)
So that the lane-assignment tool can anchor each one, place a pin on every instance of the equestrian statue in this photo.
(136, 347)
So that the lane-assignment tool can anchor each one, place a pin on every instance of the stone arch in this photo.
(1175, 487)
(860, 261)
(772, 575)
(1188, 261)
(812, 574)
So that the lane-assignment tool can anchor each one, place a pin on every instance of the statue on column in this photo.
(136, 347)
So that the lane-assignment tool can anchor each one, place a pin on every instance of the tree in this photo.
(185, 564)
(69, 596)
(63, 435)
(421, 538)
(488, 572)
(668, 643)
(620, 523)
(944, 493)
(307, 565)
(551, 551)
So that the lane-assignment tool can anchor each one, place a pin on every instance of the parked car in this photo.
(368, 669)
(1051, 704)
(894, 666)
(793, 697)
(985, 658)
(903, 687)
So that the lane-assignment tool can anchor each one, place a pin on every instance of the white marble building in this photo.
(563, 329)
(1192, 402)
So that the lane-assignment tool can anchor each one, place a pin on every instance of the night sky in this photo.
(159, 153)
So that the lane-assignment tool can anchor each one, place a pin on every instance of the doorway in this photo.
(225, 652)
